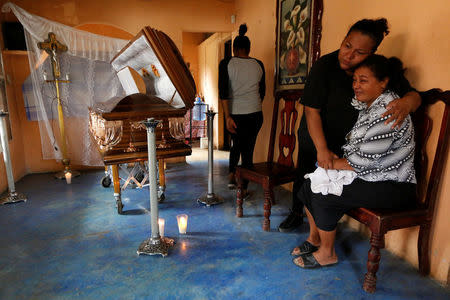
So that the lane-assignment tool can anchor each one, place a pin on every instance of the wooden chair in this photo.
(382, 221)
(270, 174)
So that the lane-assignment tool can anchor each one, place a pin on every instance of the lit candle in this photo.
(161, 223)
(182, 223)
(68, 176)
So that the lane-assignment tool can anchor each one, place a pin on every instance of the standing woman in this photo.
(241, 90)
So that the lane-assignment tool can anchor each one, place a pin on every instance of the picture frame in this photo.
(298, 35)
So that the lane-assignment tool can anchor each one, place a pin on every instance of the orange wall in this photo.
(191, 40)
(419, 36)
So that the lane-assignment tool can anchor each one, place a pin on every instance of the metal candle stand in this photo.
(155, 244)
(13, 196)
(209, 198)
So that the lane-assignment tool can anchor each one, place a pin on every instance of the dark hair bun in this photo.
(382, 26)
(242, 29)
(377, 29)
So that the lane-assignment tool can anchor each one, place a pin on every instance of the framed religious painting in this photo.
(298, 43)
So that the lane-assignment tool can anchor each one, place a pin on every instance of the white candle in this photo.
(161, 223)
(68, 176)
(182, 223)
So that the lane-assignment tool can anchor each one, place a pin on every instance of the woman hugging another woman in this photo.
(381, 156)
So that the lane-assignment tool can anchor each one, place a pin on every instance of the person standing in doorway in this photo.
(241, 90)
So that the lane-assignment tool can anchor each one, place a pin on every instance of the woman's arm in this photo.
(231, 125)
(400, 108)
(341, 164)
(314, 121)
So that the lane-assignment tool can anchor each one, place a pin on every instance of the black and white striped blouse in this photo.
(375, 150)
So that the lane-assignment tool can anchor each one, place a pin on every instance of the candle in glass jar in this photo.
(161, 223)
(68, 176)
(182, 223)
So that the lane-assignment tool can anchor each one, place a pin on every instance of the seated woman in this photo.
(381, 156)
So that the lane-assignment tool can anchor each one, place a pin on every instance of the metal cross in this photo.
(52, 46)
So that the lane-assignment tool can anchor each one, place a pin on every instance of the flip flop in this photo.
(304, 248)
(310, 262)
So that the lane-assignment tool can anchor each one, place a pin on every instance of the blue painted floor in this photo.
(67, 241)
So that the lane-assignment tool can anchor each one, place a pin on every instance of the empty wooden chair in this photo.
(270, 174)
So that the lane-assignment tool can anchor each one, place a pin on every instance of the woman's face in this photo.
(366, 86)
(354, 49)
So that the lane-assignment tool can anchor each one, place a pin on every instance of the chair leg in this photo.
(268, 196)
(239, 210)
(373, 262)
(423, 243)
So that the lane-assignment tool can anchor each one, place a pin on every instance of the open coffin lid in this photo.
(152, 59)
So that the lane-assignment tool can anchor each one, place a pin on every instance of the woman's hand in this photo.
(325, 158)
(341, 164)
(231, 126)
(400, 108)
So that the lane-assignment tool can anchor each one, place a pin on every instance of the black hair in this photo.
(377, 29)
(383, 67)
(241, 41)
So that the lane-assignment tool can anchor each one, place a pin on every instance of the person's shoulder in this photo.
(260, 63)
(325, 64)
(225, 61)
(329, 59)
(387, 97)
(378, 107)
(257, 60)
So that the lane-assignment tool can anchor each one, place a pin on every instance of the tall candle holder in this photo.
(210, 198)
(12, 196)
(52, 46)
(155, 244)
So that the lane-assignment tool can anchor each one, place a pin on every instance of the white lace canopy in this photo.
(92, 81)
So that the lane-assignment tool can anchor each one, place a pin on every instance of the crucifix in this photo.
(52, 46)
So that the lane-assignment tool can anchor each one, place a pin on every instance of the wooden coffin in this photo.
(158, 85)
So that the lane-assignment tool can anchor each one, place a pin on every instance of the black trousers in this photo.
(243, 142)
(306, 163)
(327, 210)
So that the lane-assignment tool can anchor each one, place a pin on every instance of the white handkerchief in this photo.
(330, 181)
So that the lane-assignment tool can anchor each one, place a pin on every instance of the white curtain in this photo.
(92, 81)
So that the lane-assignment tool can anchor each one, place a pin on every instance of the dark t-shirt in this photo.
(329, 88)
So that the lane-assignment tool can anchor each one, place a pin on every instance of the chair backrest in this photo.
(423, 125)
(287, 140)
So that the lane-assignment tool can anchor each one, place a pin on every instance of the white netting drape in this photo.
(92, 81)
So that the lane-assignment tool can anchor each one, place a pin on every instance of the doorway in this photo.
(226, 134)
